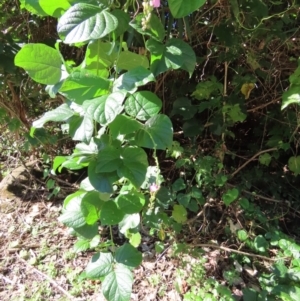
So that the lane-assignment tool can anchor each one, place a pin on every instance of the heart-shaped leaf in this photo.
(143, 105)
(100, 265)
(85, 22)
(117, 285)
(43, 63)
(230, 196)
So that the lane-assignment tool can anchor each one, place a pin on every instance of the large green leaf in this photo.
(100, 265)
(43, 63)
(117, 285)
(143, 105)
(73, 215)
(109, 159)
(129, 256)
(131, 202)
(91, 205)
(61, 113)
(106, 108)
(132, 79)
(128, 60)
(110, 214)
(129, 162)
(82, 85)
(84, 22)
(182, 8)
(101, 181)
(81, 128)
(123, 125)
(174, 54)
(157, 133)
(134, 166)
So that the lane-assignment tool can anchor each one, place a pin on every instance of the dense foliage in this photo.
(180, 112)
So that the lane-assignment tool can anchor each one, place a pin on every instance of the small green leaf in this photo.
(260, 244)
(234, 112)
(91, 205)
(110, 214)
(205, 89)
(43, 63)
(117, 285)
(183, 199)
(135, 239)
(100, 265)
(129, 256)
(179, 214)
(291, 96)
(178, 185)
(143, 105)
(84, 22)
(242, 235)
(230, 196)
(294, 165)
(265, 159)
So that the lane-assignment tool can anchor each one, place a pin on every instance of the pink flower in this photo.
(153, 187)
(156, 3)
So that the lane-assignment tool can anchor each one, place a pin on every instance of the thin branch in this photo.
(264, 105)
(237, 251)
(267, 199)
(54, 283)
(251, 159)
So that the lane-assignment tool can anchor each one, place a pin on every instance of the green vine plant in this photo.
(112, 117)
(119, 124)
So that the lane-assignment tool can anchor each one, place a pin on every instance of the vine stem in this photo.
(237, 251)
(111, 235)
(251, 159)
